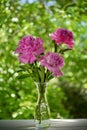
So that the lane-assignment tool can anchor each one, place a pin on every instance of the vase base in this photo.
(41, 127)
(44, 124)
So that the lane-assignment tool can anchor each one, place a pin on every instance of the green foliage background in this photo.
(67, 95)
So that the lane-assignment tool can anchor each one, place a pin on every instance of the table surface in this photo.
(56, 124)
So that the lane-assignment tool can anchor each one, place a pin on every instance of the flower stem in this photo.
(55, 47)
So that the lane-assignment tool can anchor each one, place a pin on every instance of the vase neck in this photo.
(41, 87)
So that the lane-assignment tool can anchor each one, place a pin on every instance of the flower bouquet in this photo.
(43, 66)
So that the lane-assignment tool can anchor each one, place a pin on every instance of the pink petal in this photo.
(23, 58)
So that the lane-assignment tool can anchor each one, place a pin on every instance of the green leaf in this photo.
(41, 73)
(23, 76)
(19, 70)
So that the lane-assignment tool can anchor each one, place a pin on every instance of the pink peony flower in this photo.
(53, 62)
(29, 48)
(63, 36)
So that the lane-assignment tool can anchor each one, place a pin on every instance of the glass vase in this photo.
(42, 112)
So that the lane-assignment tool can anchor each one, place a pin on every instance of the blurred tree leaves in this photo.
(39, 18)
